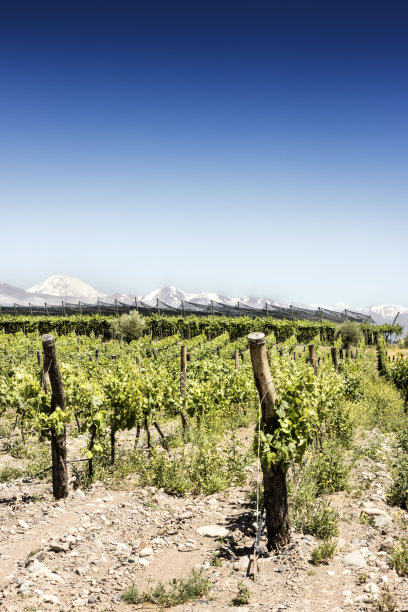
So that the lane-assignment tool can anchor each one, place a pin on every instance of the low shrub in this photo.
(323, 552)
(179, 592)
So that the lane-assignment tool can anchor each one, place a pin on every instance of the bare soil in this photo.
(82, 552)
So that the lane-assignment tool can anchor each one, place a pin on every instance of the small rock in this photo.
(59, 547)
(213, 531)
(242, 564)
(23, 524)
(373, 512)
(48, 598)
(383, 523)
(146, 552)
(53, 577)
(355, 559)
(144, 562)
(371, 587)
(387, 544)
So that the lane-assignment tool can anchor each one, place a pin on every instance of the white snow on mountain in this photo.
(60, 288)
(169, 295)
(67, 286)
(386, 310)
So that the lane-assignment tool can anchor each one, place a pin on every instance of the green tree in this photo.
(350, 334)
(128, 326)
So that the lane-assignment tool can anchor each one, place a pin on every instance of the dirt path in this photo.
(84, 551)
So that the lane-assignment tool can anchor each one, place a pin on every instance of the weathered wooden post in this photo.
(183, 384)
(275, 490)
(333, 351)
(58, 441)
(155, 354)
(312, 356)
(236, 359)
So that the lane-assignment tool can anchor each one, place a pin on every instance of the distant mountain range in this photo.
(59, 288)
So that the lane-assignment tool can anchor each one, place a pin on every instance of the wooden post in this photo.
(182, 306)
(137, 307)
(183, 384)
(266, 307)
(236, 359)
(58, 441)
(15, 310)
(212, 307)
(38, 358)
(275, 490)
(312, 356)
(239, 309)
(333, 351)
(99, 308)
(155, 354)
(291, 311)
(31, 310)
(158, 308)
(80, 308)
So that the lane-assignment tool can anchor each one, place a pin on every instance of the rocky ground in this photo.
(84, 551)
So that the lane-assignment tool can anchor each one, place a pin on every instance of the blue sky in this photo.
(241, 147)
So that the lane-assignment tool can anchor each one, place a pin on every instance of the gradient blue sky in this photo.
(248, 148)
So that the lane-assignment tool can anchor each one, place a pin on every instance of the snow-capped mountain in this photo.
(388, 311)
(60, 288)
(67, 286)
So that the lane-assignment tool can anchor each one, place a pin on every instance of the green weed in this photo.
(242, 596)
(179, 592)
(323, 552)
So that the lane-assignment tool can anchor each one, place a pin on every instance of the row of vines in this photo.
(159, 326)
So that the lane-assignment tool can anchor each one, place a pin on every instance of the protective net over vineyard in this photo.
(186, 308)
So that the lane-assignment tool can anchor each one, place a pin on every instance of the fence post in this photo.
(183, 384)
(58, 441)
(274, 477)
(312, 355)
(333, 351)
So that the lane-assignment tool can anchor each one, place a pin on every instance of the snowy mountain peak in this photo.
(61, 285)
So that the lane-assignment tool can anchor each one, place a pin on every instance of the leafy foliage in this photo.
(350, 334)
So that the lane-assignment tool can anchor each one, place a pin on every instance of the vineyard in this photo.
(289, 448)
